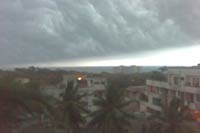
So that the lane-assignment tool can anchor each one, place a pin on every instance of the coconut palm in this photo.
(71, 109)
(172, 119)
(111, 116)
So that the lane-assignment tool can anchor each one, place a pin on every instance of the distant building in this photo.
(127, 69)
(96, 82)
(22, 80)
(183, 82)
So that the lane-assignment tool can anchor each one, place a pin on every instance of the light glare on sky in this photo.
(187, 56)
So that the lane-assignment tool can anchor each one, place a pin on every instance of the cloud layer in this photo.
(35, 31)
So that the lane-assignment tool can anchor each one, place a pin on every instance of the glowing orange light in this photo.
(79, 78)
(197, 115)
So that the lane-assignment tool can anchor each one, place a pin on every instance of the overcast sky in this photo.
(99, 32)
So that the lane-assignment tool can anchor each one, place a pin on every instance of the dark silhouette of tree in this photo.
(20, 103)
(163, 69)
(156, 75)
(111, 116)
(172, 119)
(71, 109)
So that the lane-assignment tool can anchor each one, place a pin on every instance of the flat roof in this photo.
(183, 67)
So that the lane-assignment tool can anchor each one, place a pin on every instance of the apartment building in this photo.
(89, 85)
(182, 82)
(134, 93)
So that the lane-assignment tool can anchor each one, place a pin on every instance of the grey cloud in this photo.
(34, 31)
(186, 13)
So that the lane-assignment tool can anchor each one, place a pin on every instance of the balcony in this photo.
(93, 88)
(189, 89)
(159, 84)
(154, 107)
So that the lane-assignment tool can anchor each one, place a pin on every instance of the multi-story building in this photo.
(182, 82)
(22, 80)
(134, 93)
(127, 69)
(89, 85)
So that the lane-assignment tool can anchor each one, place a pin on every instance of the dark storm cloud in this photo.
(34, 31)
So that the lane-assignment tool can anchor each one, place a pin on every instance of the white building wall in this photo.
(23, 80)
(54, 91)
(183, 83)
(96, 82)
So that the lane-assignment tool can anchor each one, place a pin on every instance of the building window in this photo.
(198, 97)
(150, 88)
(181, 94)
(144, 97)
(176, 80)
(195, 82)
(182, 78)
(164, 91)
(156, 101)
(173, 93)
(188, 84)
(96, 83)
(91, 81)
(103, 83)
(153, 89)
(157, 90)
(188, 81)
(190, 97)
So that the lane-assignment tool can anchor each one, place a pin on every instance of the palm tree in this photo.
(71, 109)
(172, 119)
(19, 103)
(110, 116)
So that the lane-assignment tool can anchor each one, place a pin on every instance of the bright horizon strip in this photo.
(186, 56)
